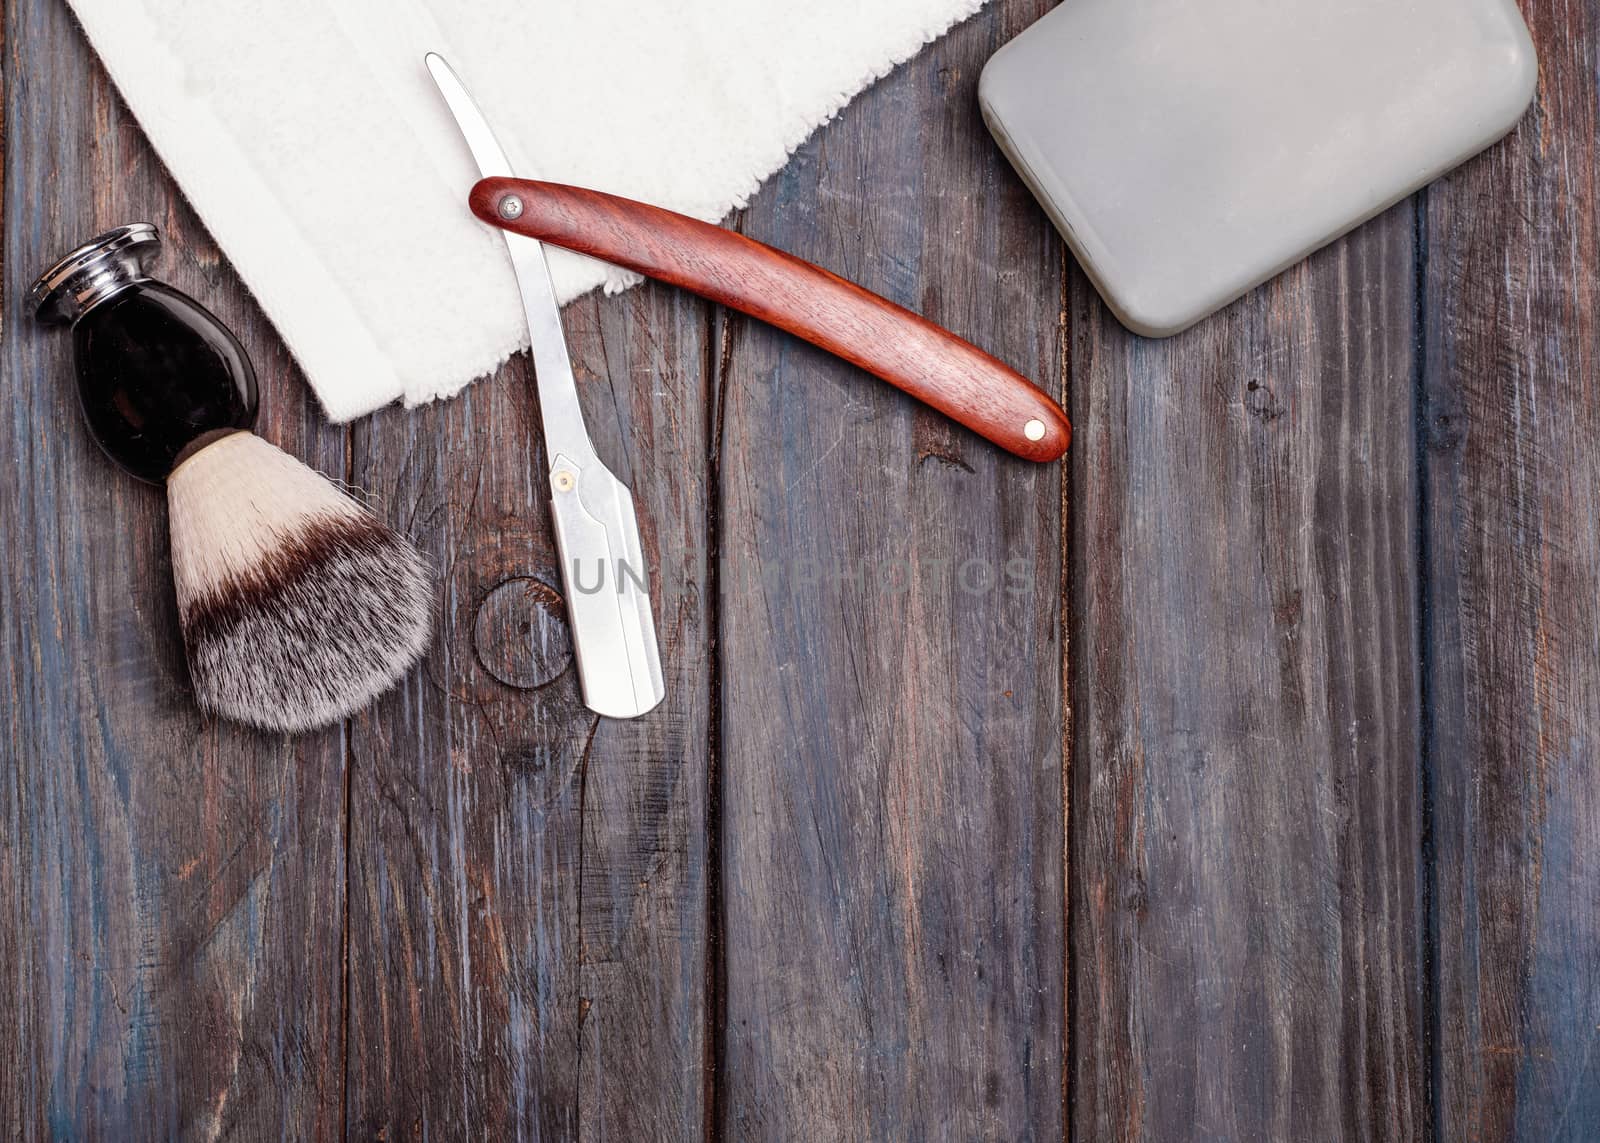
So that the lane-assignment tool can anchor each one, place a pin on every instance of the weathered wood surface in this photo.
(1511, 451)
(1313, 609)
(1247, 920)
(528, 881)
(892, 736)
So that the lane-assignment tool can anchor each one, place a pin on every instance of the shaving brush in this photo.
(298, 606)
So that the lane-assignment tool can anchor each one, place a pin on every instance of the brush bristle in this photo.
(298, 606)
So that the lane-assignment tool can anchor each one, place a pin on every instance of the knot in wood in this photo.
(520, 633)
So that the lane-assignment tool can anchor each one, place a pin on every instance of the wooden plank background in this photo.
(1247, 915)
(891, 710)
(1234, 780)
(1510, 439)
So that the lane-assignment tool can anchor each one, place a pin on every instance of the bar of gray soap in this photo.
(1189, 150)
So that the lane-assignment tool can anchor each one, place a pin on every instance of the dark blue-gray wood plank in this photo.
(528, 881)
(1247, 918)
(890, 656)
(1511, 443)
(171, 889)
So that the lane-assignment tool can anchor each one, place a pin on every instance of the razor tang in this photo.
(597, 533)
(602, 566)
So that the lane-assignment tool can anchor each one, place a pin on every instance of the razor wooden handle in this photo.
(908, 351)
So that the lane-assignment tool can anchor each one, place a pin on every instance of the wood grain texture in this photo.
(1329, 616)
(1246, 914)
(170, 887)
(891, 722)
(528, 881)
(866, 329)
(1512, 448)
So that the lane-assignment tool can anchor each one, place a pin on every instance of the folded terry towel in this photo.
(312, 143)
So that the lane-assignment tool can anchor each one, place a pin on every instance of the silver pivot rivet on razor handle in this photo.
(511, 207)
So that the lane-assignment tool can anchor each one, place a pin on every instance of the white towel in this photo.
(312, 143)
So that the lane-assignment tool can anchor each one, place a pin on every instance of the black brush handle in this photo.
(158, 375)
